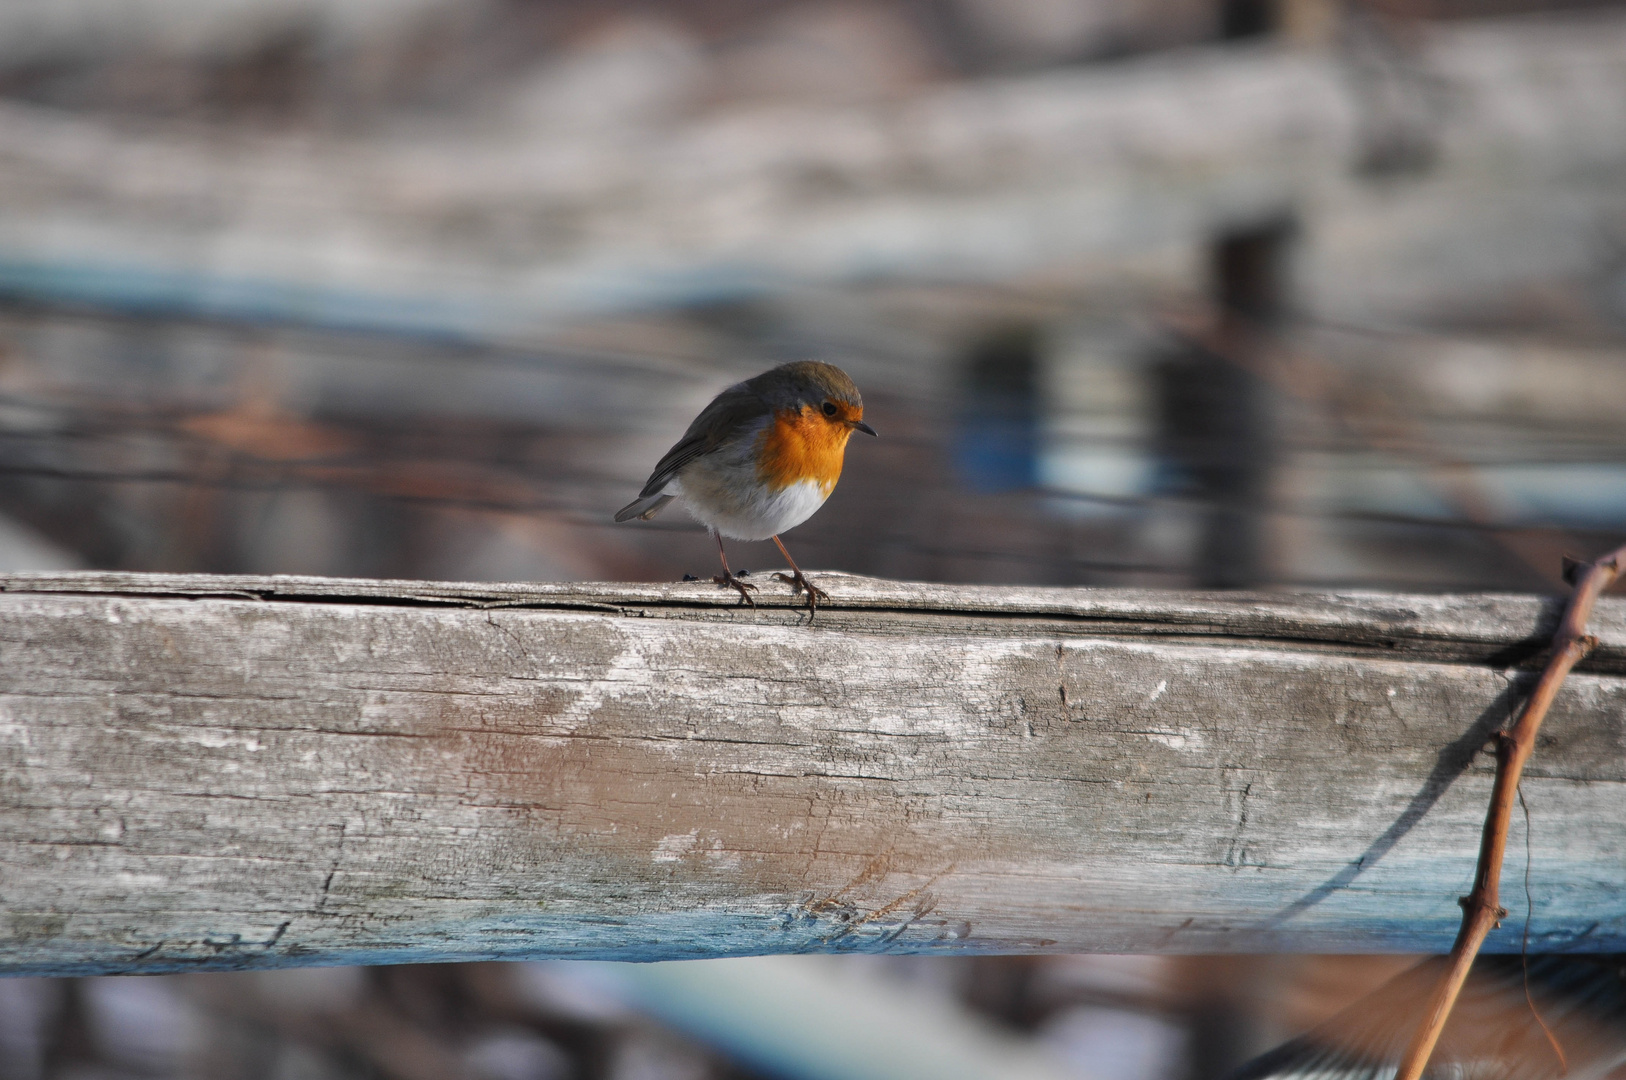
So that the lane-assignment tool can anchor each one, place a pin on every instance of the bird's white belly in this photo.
(748, 511)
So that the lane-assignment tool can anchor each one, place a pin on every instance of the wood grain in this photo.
(226, 772)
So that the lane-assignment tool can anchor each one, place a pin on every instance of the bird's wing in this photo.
(730, 413)
(1494, 1033)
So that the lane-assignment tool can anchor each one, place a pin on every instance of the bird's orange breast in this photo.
(802, 445)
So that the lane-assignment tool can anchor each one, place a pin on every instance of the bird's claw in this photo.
(733, 582)
(800, 584)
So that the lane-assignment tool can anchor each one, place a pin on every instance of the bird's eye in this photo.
(829, 408)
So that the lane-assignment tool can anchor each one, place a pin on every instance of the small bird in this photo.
(760, 459)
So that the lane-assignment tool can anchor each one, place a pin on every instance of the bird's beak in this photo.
(865, 428)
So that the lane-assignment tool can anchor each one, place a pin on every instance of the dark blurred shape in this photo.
(1517, 1019)
(1249, 272)
(67, 1040)
(1223, 1011)
(1215, 418)
(997, 442)
(1240, 19)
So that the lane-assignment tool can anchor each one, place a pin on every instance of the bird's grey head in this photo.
(807, 382)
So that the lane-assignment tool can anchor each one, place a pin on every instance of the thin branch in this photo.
(1481, 908)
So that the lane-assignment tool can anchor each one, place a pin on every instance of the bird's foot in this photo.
(800, 584)
(733, 582)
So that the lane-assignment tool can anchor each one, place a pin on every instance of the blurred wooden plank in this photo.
(218, 772)
(1095, 170)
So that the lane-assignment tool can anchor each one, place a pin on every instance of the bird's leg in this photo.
(798, 581)
(727, 576)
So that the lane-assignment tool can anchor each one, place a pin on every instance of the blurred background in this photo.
(1184, 293)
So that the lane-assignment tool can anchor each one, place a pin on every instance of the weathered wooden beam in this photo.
(218, 772)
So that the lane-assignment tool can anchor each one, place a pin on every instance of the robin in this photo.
(760, 459)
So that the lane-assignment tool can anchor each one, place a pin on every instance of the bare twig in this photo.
(1481, 908)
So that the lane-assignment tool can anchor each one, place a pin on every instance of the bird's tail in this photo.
(645, 508)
